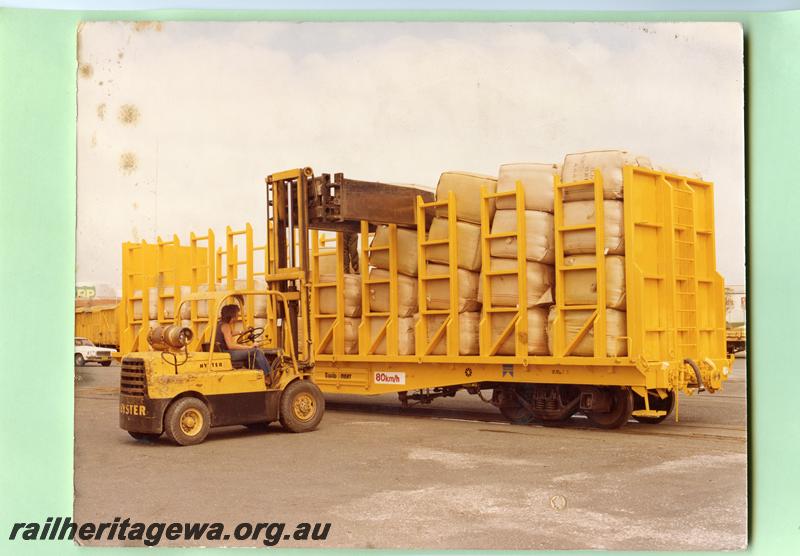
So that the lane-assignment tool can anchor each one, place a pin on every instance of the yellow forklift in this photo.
(178, 389)
(182, 386)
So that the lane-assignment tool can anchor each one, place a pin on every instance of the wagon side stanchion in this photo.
(448, 330)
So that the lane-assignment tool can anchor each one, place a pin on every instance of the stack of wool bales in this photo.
(169, 303)
(537, 181)
(407, 269)
(151, 302)
(260, 303)
(466, 188)
(328, 304)
(352, 295)
(350, 334)
(352, 309)
(580, 286)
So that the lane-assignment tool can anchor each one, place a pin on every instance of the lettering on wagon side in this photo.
(383, 377)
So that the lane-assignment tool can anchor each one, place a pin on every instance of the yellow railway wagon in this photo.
(155, 278)
(100, 324)
(675, 318)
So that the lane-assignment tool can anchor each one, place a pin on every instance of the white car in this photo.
(86, 351)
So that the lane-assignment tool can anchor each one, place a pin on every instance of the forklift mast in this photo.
(287, 218)
(297, 201)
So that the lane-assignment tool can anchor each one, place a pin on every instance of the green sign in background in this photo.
(37, 220)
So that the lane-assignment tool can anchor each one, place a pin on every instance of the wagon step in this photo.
(648, 413)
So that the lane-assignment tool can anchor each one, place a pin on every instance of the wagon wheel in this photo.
(518, 415)
(569, 398)
(559, 422)
(512, 408)
(618, 415)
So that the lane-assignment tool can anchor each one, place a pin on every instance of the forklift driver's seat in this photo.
(206, 347)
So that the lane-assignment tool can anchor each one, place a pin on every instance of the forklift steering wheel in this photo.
(249, 335)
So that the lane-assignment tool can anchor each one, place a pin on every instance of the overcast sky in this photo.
(179, 123)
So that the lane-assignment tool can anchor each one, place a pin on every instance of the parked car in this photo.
(86, 351)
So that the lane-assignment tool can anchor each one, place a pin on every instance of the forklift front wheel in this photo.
(187, 421)
(302, 406)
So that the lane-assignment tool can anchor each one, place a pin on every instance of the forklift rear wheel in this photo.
(187, 421)
(79, 360)
(145, 436)
(302, 406)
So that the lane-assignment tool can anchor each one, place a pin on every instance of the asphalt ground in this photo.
(450, 475)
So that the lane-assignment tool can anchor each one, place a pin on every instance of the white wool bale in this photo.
(259, 301)
(468, 343)
(405, 327)
(379, 302)
(352, 295)
(151, 303)
(438, 291)
(327, 261)
(537, 181)
(578, 213)
(169, 302)
(505, 288)
(350, 334)
(468, 239)
(616, 330)
(581, 166)
(537, 332)
(407, 261)
(467, 189)
(202, 305)
(580, 286)
(539, 235)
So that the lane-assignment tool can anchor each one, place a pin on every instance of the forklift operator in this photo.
(226, 342)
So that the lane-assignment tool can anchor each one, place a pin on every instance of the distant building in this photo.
(89, 295)
(735, 305)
